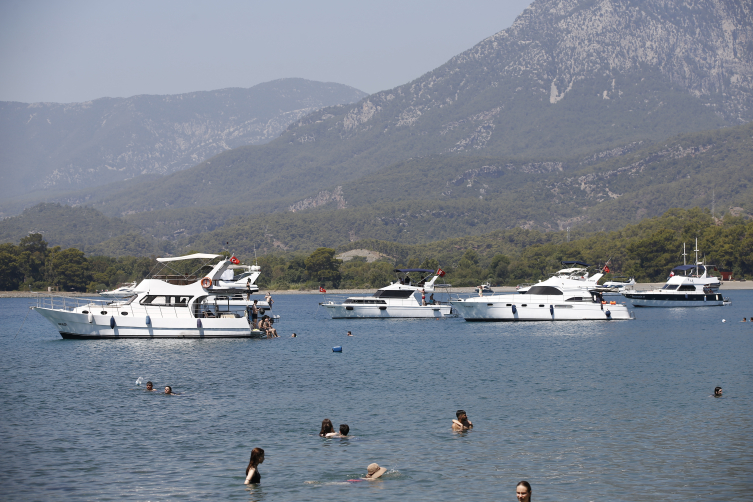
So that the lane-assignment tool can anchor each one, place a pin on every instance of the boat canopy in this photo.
(575, 262)
(200, 256)
(406, 270)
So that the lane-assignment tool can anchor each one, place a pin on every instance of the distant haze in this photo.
(82, 50)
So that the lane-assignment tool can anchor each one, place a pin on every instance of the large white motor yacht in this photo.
(572, 278)
(160, 309)
(397, 300)
(541, 303)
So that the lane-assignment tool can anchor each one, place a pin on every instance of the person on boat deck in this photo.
(327, 427)
(481, 290)
(268, 297)
(423, 297)
(267, 326)
(344, 430)
(149, 386)
(252, 470)
(431, 299)
(248, 289)
(461, 423)
(208, 313)
(254, 315)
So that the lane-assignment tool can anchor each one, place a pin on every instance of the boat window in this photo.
(670, 287)
(368, 301)
(543, 290)
(393, 293)
(166, 300)
(575, 299)
(686, 287)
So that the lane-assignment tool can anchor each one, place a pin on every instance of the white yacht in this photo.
(125, 291)
(679, 291)
(572, 278)
(160, 309)
(245, 282)
(541, 303)
(398, 300)
(616, 286)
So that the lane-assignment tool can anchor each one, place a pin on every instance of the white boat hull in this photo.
(537, 309)
(343, 311)
(77, 325)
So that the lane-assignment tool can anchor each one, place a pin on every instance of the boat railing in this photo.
(110, 307)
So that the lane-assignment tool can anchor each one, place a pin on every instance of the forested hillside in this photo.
(647, 251)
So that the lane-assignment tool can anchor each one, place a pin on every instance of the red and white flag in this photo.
(440, 272)
(606, 269)
(234, 260)
(322, 290)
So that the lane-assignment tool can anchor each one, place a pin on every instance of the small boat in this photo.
(397, 300)
(485, 288)
(541, 303)
(615, 286)
(572, 277)
(124, 291)
(160, 309)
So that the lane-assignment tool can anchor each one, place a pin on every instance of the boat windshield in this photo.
(393, 293)
(543, 290)
(670, 287)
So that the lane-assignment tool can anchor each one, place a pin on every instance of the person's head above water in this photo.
(293, 335)
(149, 386)
(257, 457)
(523, 491)
(462, 416)
(373, 471)
(349, 333)
(168, 389)
(326, 427)
(344, 429)
(718, 391)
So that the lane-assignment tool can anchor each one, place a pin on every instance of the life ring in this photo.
(206, 282)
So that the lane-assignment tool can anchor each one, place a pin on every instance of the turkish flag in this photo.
(606, 269)
(440, 272)
(322, 290)
(234, 260)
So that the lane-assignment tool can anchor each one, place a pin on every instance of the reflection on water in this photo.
(583, 410)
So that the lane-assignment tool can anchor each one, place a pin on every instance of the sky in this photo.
(73, 51)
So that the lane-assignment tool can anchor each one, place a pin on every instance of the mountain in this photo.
(708, 169)
(51, 147)
(570, 78)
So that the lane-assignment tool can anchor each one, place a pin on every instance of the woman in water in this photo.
(169, 390)
(327, 427)
(523, 491)
(252, 471)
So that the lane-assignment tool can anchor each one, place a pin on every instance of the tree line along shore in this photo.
(647, 251)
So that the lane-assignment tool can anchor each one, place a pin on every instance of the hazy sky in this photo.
(68, 51)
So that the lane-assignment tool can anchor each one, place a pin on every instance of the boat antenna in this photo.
(255, 261)
(684, 254)
(696, 250)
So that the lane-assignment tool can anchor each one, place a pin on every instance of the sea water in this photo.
(618, 410)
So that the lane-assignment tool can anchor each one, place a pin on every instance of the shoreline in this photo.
(726, 286)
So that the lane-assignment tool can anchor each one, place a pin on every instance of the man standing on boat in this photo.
(254, 315)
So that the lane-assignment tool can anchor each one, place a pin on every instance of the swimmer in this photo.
(717, 392)
(350, 334)
(169, 390)
(252, 471)
(344, 430)
(149, 386)
(745, 320)
(293, 335)
(462, 423)
(327, 427)
(523, 491)
(373, 471)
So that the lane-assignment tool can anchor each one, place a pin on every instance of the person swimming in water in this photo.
(169, 390)
(149, 386)
(350, 334)
(373, 471)
(252, 470)
(523, 491)
(327, 427)
(461, 423)
(344, 430)
(717, 392)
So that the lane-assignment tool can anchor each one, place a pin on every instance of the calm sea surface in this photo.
(585, 411)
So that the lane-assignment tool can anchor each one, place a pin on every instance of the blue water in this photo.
(584, 411)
